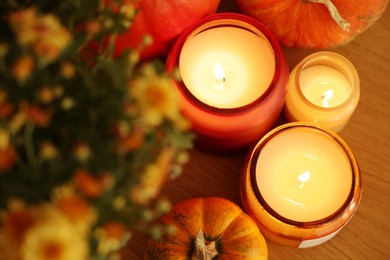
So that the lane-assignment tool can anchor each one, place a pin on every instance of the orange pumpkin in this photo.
(162, 20)
(208, 228)
(315, 23)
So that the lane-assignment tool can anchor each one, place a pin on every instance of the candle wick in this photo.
(220, 78)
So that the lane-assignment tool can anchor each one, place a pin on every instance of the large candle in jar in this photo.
(233, 80)
(301, 184)
(227, 67)
(303, 175)
(323, 88)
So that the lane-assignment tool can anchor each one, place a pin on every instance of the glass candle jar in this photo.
(301, 184)
(233, 80)
(324, 88)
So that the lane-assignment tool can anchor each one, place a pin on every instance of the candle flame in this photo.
(219, 76)
(303, 178)
(326, 97)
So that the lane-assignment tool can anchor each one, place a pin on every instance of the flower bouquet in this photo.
(86, 141)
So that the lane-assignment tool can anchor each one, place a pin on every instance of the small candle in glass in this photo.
(301, 184)
(233, 80)
(323, 88)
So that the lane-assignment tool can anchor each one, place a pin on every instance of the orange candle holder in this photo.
(323, 88)
(301, 184)
(228, 120)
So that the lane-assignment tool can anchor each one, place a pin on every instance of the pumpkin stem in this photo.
(334, 13)
(204, 250)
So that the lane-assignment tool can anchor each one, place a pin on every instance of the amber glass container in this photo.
(296, 225)
(330, 72)
(232, 129)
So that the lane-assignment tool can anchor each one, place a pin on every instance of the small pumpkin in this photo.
(315, 23)
(208, 228)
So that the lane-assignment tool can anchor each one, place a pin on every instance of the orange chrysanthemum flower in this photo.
(68, 70)
(46, 95)
(16, 224)
(45, 34)
(76, 209)
(6, 109)
(90, 185)
(22, 68)
(36, 115)
(114, 230)
(129, 140)
(7, 151)
(111, 237)
(7, 158)
(82, 151)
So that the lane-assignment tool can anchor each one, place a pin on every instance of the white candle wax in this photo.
(227, 67)
(303, 175)
(324, 86)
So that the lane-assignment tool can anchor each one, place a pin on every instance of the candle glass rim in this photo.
(327, 56)
(355, 174)
(200, 26)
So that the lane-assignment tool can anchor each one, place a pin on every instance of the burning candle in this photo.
(306, 180)
(301, 184)
(323, 88)
(220, 72)
(233, 80)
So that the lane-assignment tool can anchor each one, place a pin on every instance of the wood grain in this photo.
(367, 235)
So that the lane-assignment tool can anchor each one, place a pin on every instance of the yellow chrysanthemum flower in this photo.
(153, 178)
(111, 237)
(54, 238)
(156, 97)
(45, 34)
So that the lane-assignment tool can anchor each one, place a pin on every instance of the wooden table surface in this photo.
(367, 235)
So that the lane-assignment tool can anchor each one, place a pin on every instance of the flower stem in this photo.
(29, 144)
